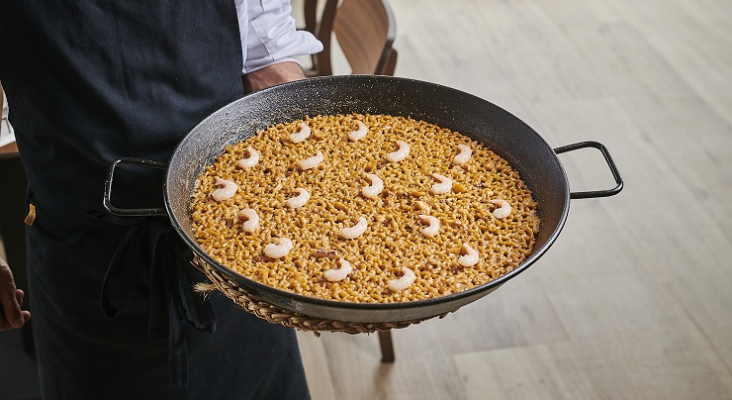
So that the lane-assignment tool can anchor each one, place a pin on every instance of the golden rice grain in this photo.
(393, 238)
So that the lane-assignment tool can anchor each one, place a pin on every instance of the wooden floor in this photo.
(634, 301)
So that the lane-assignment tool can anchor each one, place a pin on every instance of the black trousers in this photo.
(83, 354)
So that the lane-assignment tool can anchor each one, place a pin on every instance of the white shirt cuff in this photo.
(6, 130)
(272, 36)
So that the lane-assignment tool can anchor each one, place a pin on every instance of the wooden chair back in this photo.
(365, 31)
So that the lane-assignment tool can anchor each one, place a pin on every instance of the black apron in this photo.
(89, 81)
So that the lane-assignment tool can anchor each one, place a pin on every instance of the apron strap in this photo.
(172, 300)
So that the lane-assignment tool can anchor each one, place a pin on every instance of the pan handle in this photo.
(610, 163)
(130, 212)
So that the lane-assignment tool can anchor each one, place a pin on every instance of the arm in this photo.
(11, 316)
(272, 43)
(272, 75)
(11, 298)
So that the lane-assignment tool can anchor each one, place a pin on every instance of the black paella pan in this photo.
(509, 137)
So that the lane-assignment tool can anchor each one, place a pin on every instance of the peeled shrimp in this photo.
(225, 191)
(356, 230)
(300, 135)
(444, 186)
(503, 210)
(249, 162)
(433, 228)
(397, 285)
(298, 201)
(335, 275)
(312, 162)
(250, 218)
(360, 133)
(280, 248)
(470, 257)
(401, 153)
(464, 155)
(373, 190)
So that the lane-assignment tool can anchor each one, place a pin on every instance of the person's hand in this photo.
(273, 75)
(11, 316)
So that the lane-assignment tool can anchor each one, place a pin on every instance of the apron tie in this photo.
(172, 300)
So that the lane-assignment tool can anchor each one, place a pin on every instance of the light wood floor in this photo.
(634, 300)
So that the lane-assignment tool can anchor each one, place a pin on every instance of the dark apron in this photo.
(113, 309)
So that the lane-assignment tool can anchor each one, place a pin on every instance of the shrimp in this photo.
(397, 285)
(444, 186)
(249, 162)
(503, 210)
(312, 162)
(298, 201)
(356, 230)
(360, 133)
(373, 190)
(401, 153)
(335, 275)
(250, 218)
(300, 135)
(433, 228)
(225, 191)
(464, 155)
(470, 257)
(280, 248)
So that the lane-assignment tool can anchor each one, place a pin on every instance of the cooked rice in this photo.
(393, 238)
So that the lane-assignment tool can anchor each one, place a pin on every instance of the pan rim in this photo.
(252, 285)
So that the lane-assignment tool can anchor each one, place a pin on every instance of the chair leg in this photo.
(387, 347)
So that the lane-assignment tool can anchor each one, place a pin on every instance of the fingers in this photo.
(25, 315)
(19, 294)
(13, 323)
(11, 315)
(5, 324)
(10, 298)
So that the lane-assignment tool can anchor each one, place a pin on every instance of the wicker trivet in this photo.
(278, 315)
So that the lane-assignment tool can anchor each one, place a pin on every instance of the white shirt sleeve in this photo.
(6, 130)
(268, 34)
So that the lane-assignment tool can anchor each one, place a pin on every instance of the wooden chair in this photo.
(365, 31)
